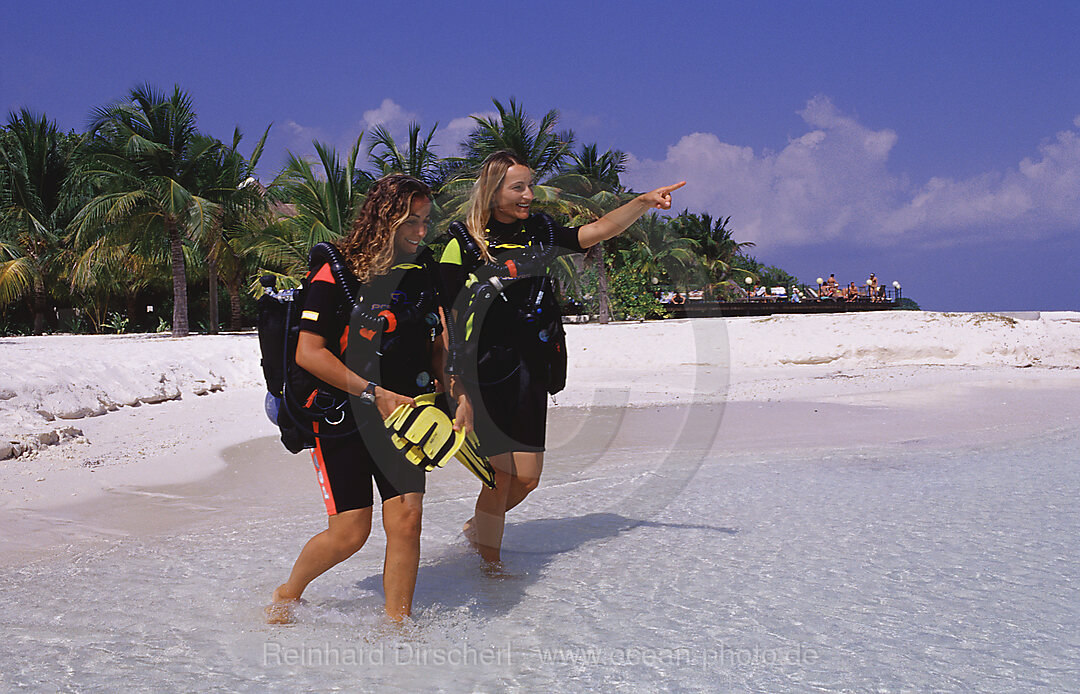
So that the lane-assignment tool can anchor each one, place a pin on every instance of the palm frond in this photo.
(16, 279)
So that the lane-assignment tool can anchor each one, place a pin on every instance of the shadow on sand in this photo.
(455, 581)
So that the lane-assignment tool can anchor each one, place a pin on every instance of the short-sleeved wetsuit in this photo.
(510, 397)
(400, 362)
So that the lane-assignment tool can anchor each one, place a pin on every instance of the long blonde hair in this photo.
(369, 247)
(482, 198)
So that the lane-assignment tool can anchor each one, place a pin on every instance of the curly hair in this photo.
(482, 198)
(369, 247)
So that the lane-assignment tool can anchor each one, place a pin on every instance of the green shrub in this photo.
(116, 323)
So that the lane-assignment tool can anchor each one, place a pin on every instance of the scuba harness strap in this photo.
(539, 319)
(304, 399)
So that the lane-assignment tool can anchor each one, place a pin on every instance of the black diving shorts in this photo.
(346, 465)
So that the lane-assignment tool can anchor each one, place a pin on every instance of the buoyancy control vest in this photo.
(509, 309)
(384, 333)
(398, 356)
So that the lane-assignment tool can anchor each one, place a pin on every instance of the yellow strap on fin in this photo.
(424, 434)
(477, 463)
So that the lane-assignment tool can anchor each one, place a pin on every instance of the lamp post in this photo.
(896, 286)
(820, 282)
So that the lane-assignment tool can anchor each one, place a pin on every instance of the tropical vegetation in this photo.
(140, 222)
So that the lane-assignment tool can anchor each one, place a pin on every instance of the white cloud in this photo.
(396, 119)
(390, 115)
(1040, 196)
(448, 137)
(833, 183)
(300, 134)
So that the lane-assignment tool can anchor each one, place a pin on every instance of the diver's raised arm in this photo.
(615, 222)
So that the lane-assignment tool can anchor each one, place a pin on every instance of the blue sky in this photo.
(935, 143)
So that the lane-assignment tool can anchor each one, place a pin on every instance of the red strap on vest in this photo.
(391, 320)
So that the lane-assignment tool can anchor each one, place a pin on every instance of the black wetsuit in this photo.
(399, 361)
(510, 386)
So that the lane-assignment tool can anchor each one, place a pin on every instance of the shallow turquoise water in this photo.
(890, 569)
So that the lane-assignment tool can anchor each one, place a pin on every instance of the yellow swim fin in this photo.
(470, 456)
(425, 435)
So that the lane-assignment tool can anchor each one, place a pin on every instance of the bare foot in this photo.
(490, 555)
(397, 616)
(470, 534)
(281, 610)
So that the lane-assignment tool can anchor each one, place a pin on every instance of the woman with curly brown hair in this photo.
(388, 275)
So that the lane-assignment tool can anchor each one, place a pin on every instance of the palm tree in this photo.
(659, 252)
(35, 205)
(144, 165)
(590, 188)
(599, 171)
(228, 180)
(310, 209)
(718, 249)
(417, 160)
(538, 144)
(110, 266)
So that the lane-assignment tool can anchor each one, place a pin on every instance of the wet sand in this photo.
(255, 476)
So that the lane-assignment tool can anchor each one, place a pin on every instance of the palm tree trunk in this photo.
(179, 278)
(40, 305)
(234, 305)
(596, 253)
(132, 311)
(213, 272)
(99, 308)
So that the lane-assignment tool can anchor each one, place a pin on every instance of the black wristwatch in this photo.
(368, 396)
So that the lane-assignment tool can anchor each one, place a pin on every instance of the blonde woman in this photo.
(516, 349)
(387, 274)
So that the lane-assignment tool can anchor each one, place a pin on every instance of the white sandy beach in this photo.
(79, 414)
(109, 442)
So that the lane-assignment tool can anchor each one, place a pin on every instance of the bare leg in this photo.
(345, 534)
(516, 474)
(401, 520)
(526, 477)
(485, 529)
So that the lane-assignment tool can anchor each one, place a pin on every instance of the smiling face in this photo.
(411, 232)
(512, 199)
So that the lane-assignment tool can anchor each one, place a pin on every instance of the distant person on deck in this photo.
(872, 285)
(678, 299)
(831, 288)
